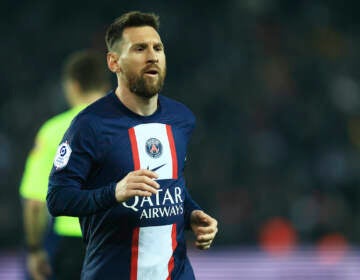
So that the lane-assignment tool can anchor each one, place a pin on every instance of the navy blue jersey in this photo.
(142, 238)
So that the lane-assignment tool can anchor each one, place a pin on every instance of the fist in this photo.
(136, 183)
(204, 227)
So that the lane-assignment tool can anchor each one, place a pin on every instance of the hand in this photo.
(204, 228)
(140, 182)
(38, 265)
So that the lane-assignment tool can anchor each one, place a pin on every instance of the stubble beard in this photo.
(144, 87)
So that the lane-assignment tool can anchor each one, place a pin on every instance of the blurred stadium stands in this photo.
(275, 87)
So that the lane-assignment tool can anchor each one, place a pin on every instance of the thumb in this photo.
(199, 216)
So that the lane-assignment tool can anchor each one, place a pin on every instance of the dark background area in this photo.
(274, 86)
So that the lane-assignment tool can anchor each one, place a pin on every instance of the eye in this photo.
(158, 48)
(139, 48)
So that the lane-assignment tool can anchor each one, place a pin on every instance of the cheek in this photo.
(162, 62)
(133, 65)
(127, 67)
(162, 58)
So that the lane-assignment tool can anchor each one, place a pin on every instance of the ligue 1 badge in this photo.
(153, 147)
(62, 155)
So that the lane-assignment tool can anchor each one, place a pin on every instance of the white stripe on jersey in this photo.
(165, 162)
(155, 246)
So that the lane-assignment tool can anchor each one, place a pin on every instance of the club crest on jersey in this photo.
(62, 155)
(153, 147)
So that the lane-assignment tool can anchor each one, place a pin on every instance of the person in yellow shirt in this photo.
(85, 79)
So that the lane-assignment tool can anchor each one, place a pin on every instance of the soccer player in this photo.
(120, 167)
(85, 80)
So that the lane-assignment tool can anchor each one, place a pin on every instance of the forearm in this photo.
(72, 201)
(35, 221)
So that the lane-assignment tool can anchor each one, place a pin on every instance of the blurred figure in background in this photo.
(57, 251)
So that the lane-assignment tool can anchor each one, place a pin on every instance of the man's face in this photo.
(142, 61)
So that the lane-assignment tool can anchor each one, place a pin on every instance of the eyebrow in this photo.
(144, 45)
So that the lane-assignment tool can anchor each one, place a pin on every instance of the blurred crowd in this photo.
(274, 85)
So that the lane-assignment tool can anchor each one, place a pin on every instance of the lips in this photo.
(152, 71)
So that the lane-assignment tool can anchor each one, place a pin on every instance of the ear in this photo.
(113, 62)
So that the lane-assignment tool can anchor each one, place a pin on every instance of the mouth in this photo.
(151, 72)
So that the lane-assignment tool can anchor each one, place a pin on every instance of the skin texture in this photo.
(139, 63)
(204, 227)
(35, 221)
(139, 51)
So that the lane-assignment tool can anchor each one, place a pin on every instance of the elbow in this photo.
(52, 206)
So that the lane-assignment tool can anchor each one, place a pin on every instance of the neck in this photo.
(86, 98)
(137, 104)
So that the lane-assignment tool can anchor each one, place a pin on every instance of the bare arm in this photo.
(35, 221)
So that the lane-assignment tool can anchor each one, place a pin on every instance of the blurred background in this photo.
(275, 87)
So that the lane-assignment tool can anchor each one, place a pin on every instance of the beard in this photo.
(144, 86)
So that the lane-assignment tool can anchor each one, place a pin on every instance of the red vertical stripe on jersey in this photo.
(134, 148)
(174, 244)
(134, 254)
(173, 151)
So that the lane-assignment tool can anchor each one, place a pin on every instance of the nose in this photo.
(152, 56)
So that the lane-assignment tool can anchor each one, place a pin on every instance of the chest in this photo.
(159, 147)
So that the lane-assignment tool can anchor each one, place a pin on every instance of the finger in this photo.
(137, 192)
(144, 179)
(205, 237)
(202, 217)
(146, 172)
(200, 214)
(133, 193)
(204, 230)
(141, 187)
(209, 223)
(197, 243)
(205, 218)
(203, 246)
(197, 218)
(197, 214)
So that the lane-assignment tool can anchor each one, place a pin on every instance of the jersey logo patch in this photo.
(62, 155)
(153, 147)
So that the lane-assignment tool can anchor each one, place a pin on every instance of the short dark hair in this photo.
(131, 19)
(89, 69)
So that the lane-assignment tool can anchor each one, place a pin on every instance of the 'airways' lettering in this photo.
(171, 196)
(160, 212)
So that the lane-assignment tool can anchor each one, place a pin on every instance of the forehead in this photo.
(143, 34)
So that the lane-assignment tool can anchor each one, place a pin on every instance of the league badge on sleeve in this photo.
(62, 155)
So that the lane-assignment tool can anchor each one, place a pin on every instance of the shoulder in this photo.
(174, 107)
